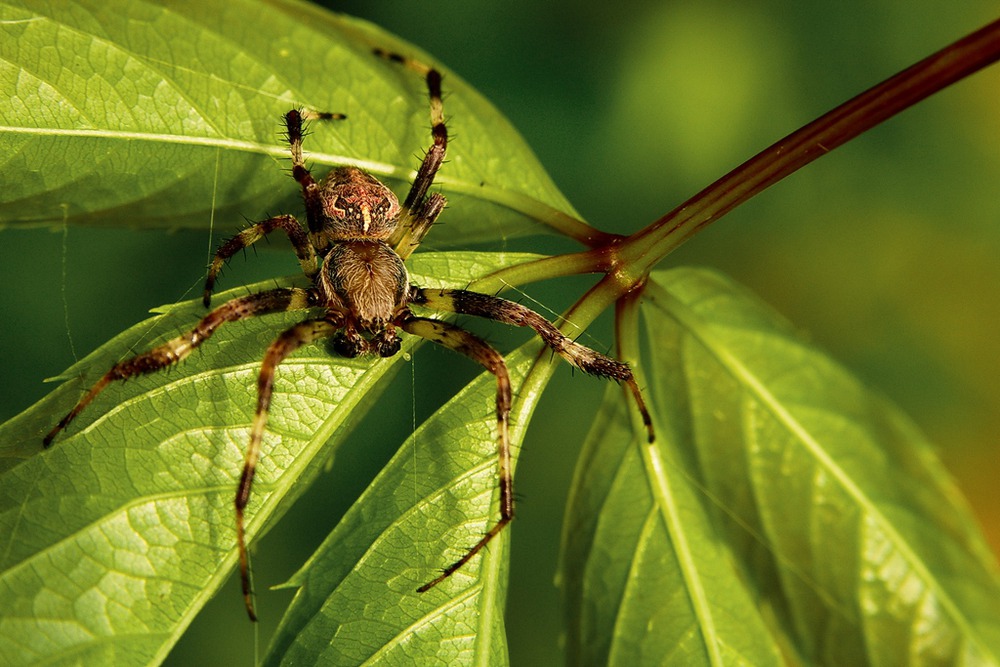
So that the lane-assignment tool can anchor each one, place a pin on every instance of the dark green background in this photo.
(886, 251)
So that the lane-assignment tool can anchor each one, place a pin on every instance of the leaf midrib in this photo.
(202, 142)
(424, 621)
(656, 473)
(512, 199)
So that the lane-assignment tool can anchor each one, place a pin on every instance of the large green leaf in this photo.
(434, 499)
(836, 515)
(112, 540)
(157, 113)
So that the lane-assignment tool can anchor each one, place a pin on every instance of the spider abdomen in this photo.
(367, 279)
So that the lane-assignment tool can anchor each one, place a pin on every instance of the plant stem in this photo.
(639, 253)
(627, 262)
(545, 268)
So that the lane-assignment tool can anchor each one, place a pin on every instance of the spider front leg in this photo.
(304, 246)
(286, 223)
(312, 192)
(289, 341)
(420, 210)
(178, 348)
(479, 351)
(501, 310)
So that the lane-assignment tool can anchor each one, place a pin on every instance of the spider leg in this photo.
(507, 312)
(305, 248)
(289, 341)
(478, 350)
(310, 114)
(312, 192)
(419, 211)
(286, 223)
(178, 348)
(419, 224)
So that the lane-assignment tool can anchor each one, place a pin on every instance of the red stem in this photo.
(643, 250)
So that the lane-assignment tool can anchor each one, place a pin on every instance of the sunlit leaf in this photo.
(834, 510)
(162, 114)
(115, 537)
(357, 601)
(646, 579)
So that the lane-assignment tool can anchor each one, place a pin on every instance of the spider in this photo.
(353, 252)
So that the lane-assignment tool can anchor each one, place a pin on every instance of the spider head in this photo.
(355, 205)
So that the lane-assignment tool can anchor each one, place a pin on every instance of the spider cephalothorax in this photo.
(354, 205)
(353, 249)
(362, 280)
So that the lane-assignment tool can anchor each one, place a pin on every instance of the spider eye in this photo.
(357, 205)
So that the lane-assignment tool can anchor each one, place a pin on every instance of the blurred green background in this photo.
(887, 251)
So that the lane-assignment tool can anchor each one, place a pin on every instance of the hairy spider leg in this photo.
(419, 224)
(419, 210)
(310, 114)
(255, 232)
(481, 352)
(507, 312)
(290, 340)
(178, 348)
(312, 192)
(305, 248)
(494, 308)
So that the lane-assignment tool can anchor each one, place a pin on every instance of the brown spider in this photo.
(361, 293)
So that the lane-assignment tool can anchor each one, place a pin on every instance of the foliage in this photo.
(784, 514)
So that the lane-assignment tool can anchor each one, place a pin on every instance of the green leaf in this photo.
(357, 602)
(647, 581)
(114, 538)
(835, 512)
(169, 115)
(783, 508)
